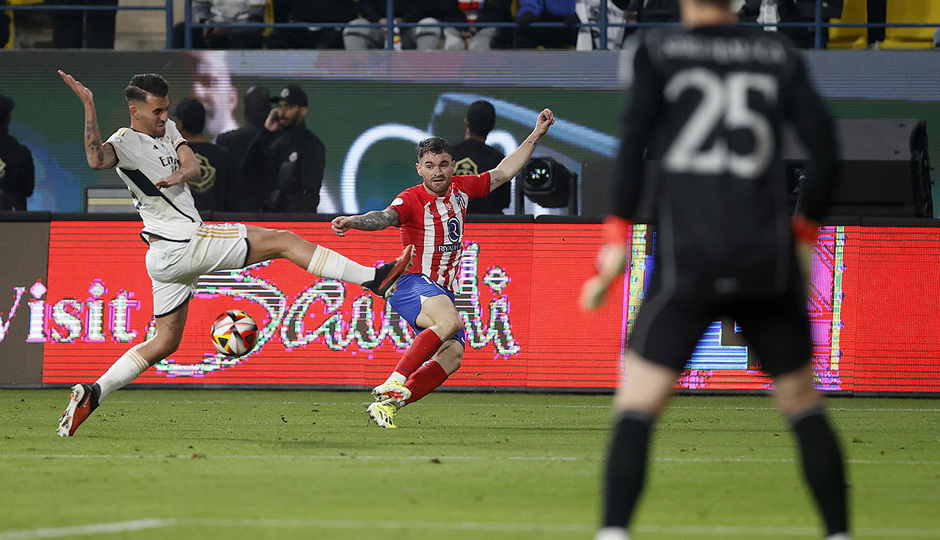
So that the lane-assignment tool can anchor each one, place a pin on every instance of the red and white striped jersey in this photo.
(435, 225)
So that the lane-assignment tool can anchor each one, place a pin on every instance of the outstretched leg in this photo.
(265, 244)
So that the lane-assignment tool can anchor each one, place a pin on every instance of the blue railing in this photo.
(818, 24)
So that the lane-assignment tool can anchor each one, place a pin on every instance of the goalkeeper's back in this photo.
(711, 103)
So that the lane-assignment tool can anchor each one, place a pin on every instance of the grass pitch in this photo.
(206, 464)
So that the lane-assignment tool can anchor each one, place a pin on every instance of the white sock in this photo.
(331, 265)
(396, 376)
(612, 533)
(839, 536)
(127, 368)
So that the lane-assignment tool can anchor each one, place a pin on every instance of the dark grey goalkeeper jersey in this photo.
(711, 104)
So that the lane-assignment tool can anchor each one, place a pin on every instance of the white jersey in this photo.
(168, 213)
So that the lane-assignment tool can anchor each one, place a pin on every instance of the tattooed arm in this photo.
(375, 220)
(99, 156)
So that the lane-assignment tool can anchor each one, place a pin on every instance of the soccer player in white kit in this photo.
(155, 162)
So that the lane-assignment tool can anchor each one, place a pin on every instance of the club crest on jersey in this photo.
(453, 232)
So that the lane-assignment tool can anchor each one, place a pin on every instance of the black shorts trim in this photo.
(174, 310)
(247, 252)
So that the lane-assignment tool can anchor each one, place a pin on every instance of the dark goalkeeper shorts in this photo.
(667, 329)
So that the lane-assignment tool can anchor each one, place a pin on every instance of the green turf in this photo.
(261, 464)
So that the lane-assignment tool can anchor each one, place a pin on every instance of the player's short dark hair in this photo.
(191, 115)
(433, 145)
(6, 108)
(481, 118)
(146, 83)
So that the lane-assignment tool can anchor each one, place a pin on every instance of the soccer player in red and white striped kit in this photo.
(431, 217)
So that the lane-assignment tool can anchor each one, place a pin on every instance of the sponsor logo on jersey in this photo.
(170, 161)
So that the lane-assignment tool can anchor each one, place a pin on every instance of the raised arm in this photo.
(99, 156)
(514, 162)
(375, 220)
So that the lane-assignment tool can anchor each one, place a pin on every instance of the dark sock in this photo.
(822, 466)
(626, 466)
(95, 396)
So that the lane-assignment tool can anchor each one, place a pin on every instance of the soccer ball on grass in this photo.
(234, 333)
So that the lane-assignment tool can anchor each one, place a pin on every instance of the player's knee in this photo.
(282, 242)
(284, 238)
(449, 327)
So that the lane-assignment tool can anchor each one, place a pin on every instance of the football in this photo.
(234, 333)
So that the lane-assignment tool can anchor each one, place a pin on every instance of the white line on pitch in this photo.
(683, 530)
(680, 530)
(92, 529)
(397, 525)
(353, 457)
(673, 530)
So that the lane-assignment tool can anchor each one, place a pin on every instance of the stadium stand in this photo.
(842, 37)
(910, 13)
(142, 24)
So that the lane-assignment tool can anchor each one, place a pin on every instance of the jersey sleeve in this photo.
(125, 149)
(173, 132)
(644, 103)
(475, 186)
(404, 205)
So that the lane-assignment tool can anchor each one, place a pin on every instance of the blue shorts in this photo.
(411, 290)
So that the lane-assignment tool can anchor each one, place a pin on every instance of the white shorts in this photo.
(175, 267)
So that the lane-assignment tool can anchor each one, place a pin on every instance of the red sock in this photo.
(425, 380)
(425, 344)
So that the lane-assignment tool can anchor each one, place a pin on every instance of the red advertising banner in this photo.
(891, 311)
(523, 326)
(873, 307)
